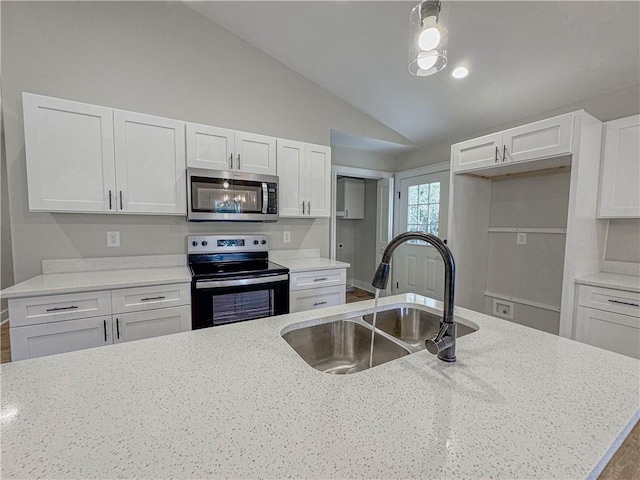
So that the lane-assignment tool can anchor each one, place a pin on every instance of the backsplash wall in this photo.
(623, 240)
(159, 58)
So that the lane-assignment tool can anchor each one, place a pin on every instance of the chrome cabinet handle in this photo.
(146, 299)
(118, 327)
(121, 207)
(104, 323)
(238, 161)
(624, 303)
(319, 303)
(504, 154)
(496, 157)
(303, 208)
(308, 208)
(110, 204)
(57, 309)
(321, 279)
(231, 161)
(346, 214)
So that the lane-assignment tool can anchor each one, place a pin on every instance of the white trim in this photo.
(426, 170)
(360, 172)
(4, 316)
(521, 301)
(560, 231)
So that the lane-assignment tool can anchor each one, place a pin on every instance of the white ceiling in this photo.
(524, 57)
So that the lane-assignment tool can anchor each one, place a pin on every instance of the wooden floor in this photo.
(5, 346)
(625, 464)
(357, 295)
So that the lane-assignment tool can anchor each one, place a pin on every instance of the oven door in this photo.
(229, 196)
(219, 302)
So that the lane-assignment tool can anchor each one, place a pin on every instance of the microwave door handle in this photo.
(265, 197)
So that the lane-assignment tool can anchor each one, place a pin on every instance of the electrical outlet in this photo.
(286, 236)
(113, 239)
(521, 238)
(503, 309)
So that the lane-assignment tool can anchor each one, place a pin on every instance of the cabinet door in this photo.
(150, 164)
(303, 300)
(255, 153)
(59, 337)
(209, 147)
(477, 153)
(291, 174)
(611, 331)
(620, 178)
(151, 323)
(547, 138)
(70, 156)
(318, 184)
(353, 198)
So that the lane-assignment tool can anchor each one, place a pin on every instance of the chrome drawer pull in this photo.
(57, 309)
(321, 279)
(152, 298)
(319, 303)
(624, 303)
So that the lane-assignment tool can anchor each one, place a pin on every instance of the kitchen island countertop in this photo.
(237, 401)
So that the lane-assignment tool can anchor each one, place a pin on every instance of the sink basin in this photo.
(341, 347)
(411, 325)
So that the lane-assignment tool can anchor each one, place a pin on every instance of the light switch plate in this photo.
(286, 236)
(113, 239)
(503, 309)
(521, 238)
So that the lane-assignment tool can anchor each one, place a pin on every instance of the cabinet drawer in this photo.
(317, 298)
(318, 278)
(147, 298)
(611, 331)
(59, 337)
(610, 300)
(56, 308)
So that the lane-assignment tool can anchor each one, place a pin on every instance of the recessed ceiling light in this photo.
(460, 72)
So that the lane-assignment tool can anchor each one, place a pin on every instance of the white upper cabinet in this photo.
(350, 198)
(478, 153)
(318, 174)
(255, 153)
(292, 178)
(222, 149)
(620, 173)
(304, 172)
(70, 155)
(150, 164)
(535, 141)
(209, 147)
(547, 138)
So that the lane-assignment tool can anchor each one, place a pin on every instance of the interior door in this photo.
(384, 224)
(423, 206)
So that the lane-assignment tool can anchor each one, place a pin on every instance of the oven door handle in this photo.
(239, 282)
(265, 197)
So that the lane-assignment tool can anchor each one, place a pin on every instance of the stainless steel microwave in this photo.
(219, 195)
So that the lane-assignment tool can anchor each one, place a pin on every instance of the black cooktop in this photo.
(254, 268)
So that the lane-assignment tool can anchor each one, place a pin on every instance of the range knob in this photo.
(263, 242)
(204, 243)
(255, 242)
(194, 243)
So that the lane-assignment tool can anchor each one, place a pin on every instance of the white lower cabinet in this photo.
(62, 323)
(151, 323)
(313, 289)
(59, 337)
(609, 319)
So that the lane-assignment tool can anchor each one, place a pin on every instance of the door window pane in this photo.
(423, 209)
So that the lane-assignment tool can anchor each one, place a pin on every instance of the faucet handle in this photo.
(439, 343)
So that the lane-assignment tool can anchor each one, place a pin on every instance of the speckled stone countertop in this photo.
(237, 401)
(309, 264)
(74, 282)
(629, 283)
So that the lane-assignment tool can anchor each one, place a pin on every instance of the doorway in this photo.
(361, 224)
(422, 205)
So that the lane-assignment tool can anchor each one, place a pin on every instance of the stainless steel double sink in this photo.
(343, 346)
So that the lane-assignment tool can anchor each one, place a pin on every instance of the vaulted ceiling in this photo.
(524, 57)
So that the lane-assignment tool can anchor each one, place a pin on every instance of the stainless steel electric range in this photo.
(233, 280)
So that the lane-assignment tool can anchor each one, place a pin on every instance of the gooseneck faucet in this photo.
(444, 343)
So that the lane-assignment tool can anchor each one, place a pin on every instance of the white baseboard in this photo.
(4, 316)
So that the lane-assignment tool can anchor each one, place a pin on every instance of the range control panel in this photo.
(227, 243)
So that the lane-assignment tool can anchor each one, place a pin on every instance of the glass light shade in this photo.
(426, 30)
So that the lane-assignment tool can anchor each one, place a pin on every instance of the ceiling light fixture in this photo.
(460, 72)
(428, 39)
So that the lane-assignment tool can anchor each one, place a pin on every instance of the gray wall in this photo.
(350, 157)
(609, 106)
(6, 260)
(159, 58)
(623, 240)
